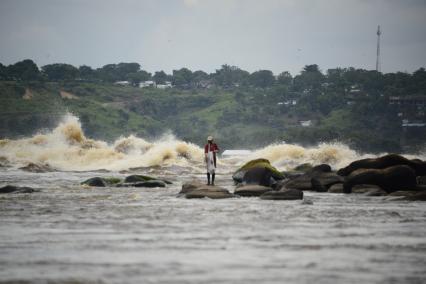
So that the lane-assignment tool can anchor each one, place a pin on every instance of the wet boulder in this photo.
(390, 179)
(148, 183)
(421, 180)
(37, 168)
(303, 167)
(319, 178)
(317, 185)
(196, 189)
(369, 190)
(259, 171)
(283, 194)
(251, 190)
(95, 181)
(143, 178)
(17, 189)
(336, 188)
(410, 195)
(384, 162)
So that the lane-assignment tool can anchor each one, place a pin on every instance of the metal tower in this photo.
(379, 32)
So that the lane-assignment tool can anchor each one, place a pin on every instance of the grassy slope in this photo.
(107, 112)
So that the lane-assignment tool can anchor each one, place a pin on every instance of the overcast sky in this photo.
(279, 35)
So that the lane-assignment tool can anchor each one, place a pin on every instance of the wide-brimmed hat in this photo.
(210, 138)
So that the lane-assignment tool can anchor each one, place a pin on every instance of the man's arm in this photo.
(216, 149)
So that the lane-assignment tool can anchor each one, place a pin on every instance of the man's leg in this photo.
(213, 176)
(208, 178)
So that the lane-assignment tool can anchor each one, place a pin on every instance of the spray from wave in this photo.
(67, 148)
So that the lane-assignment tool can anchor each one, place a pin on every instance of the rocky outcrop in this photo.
(283, 194)
(251, 190)
(390, 179)
(259, 171)
(17, 189)
(196, 189)
(384, 162)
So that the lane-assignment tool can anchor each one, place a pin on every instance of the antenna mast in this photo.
(379, 32)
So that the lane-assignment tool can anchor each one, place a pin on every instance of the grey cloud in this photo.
(203, 34)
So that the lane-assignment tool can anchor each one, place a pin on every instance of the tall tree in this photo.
(86, 73)
(285, 78)
(60, 72)
(25, 70)
(160, 77)
(310, 78)
(182, 77)
(137, 77)
(230, 76)
(262, 78)
(3, 72)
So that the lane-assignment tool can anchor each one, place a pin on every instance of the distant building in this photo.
(305, 123)
(146, 84)
(419, 101)
(122, 83)
(205, 84)
(288, 103)
(407, 123)
(166, 85)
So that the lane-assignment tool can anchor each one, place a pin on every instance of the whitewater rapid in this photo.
(66, 148)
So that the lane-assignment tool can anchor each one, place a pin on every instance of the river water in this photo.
(72, 234)
(67, 233)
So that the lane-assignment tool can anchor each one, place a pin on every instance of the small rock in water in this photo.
(197, 189)
(150, 183)
(141, 178)
(17, 189)
(251, 190)
(95, 181)
(37, 168)
(283, 194)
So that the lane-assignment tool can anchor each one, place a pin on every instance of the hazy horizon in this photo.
(204, 34)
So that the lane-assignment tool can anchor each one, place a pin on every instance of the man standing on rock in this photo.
(210, 151)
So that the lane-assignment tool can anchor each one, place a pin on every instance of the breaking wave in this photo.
(67, 148)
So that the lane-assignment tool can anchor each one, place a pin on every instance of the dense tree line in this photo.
(310, 80)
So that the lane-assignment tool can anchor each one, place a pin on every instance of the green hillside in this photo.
(367, 110)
